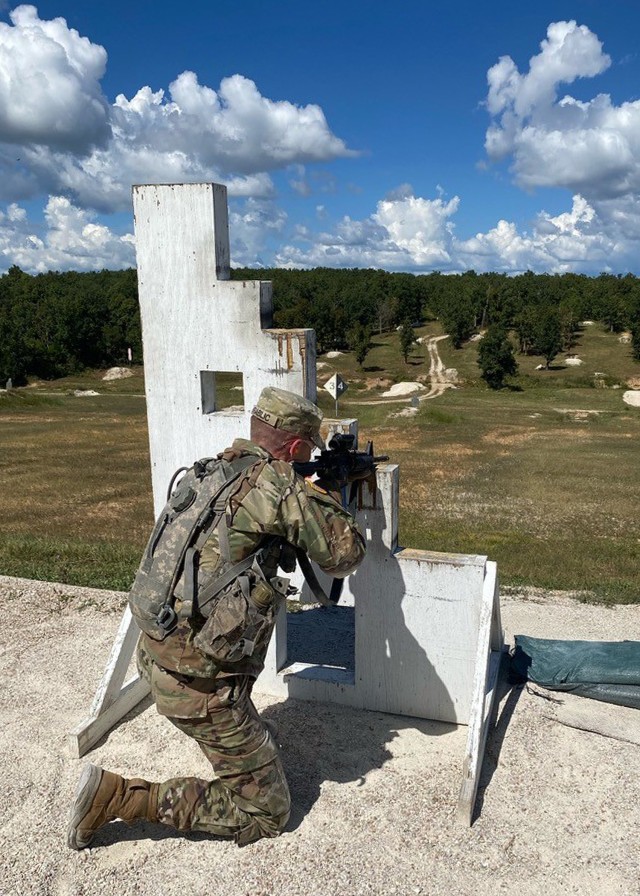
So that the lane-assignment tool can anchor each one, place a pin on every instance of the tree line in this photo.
(55, 324)
(334, 302)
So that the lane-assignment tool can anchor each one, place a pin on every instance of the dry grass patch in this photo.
(509, 437)
(393, 441)
(554, 500)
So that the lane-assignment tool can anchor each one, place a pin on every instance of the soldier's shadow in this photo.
(319, 743)
(323, 743)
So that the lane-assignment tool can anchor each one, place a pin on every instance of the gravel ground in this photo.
(374, 796)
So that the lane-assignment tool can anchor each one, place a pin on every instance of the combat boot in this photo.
(103, 796)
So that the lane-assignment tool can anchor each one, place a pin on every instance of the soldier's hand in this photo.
(332, 487)
(361, 468)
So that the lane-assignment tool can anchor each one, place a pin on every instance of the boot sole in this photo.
(85, 794)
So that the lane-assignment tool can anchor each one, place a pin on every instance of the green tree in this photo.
(569, 319)
(524, 323)
(386, 310)
(407, 339)
(359, 342)
(635, 339)
(547, 333)
(14, 358)
(458, 318)
(496, 358)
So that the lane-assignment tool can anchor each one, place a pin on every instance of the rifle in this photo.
(339, 464)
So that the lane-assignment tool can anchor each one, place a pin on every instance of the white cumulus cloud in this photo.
(577, 240)
(555, 140)
(404, 233)
(251, 227)
(411, 233)
(419, 226)
(50, 91)
(70, 240)
(60, 135)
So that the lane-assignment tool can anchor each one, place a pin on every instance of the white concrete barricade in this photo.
(427, 626)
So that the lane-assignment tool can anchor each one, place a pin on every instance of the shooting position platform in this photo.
(428, 637)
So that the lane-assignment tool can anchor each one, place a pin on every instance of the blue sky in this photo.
(415, 136)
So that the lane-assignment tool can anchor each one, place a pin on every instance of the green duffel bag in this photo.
(602, 670)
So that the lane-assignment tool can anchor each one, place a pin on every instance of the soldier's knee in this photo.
(262, 826)
(272, 806)
(280, 822)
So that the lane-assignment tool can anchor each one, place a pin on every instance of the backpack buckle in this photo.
(167, 619)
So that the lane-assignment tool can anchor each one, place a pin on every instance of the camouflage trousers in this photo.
(249, 797)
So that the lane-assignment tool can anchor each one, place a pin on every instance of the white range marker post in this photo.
(336, 386)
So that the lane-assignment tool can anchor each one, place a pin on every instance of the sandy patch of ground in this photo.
(374, 796)
(507, 437)
(405, 412)
(377, 382)
(578, 415)
(399, 390)
(632, 398)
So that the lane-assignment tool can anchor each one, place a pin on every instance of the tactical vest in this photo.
(236, 608)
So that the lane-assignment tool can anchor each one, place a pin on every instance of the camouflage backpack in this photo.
(193, 511)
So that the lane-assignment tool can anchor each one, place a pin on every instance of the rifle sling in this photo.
(312, 581)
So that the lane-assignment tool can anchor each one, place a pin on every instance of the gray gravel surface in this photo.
(374, 796)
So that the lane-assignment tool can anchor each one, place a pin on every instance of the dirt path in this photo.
(439, 382)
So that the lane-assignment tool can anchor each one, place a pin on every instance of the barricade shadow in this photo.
(323, 742)
(506, 700)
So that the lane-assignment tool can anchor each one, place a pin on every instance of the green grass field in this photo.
(544, 478)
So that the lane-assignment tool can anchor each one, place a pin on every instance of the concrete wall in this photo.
(195, 320)
(417, 614)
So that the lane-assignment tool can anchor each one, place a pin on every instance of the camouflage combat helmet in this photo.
(289, 412)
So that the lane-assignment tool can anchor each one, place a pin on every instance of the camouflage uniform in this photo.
(249, 797)
(206, 699)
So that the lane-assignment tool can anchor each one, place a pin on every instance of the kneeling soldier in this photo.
(201, 658)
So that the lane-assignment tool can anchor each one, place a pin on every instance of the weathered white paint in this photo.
(195, 319)
(418, 619)
(485, 685)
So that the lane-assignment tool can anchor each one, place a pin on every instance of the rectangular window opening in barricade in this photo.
(221, 390)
